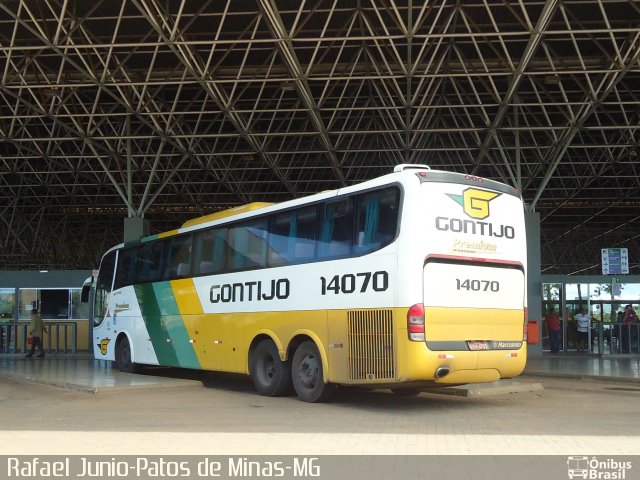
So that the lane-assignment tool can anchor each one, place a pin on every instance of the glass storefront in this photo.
(552, 294)
(7, 312)
(54, 304)
(79, 310)
(7, 303)
(56, 294)
(605, 302)
(60, 308)
(29, 299)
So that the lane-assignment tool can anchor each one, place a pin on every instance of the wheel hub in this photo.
(267, 369)
(308, 371)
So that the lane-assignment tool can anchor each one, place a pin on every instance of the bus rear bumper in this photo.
(458, 367)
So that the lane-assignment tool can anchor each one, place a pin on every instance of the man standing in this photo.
(37, 328)
(553, 327)
(628, 339)
(583, 322)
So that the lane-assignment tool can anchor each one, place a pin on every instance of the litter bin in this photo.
(532, 332)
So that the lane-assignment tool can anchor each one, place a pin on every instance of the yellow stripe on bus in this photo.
(186, 297)
(192, 315)
(226, 213)
(455, 323)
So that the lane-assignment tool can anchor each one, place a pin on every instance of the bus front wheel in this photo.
(123, 356)
(307, 374)
(271, 376)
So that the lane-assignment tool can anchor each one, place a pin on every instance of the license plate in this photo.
(478, 345)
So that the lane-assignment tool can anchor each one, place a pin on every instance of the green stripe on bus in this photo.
(149, 238)
(153, 321)
(164, 322)
(174, 325)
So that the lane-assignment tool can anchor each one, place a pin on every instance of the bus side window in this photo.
(336, 231)
(292, 236)
(377, 219)
(178, 258)
(144, 264)
(126, 271)
(157, 256)
(248, 245)
(149, 267)
(211, 251)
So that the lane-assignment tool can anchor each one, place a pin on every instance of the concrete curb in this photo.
(579, 376)
(502, 387)
(50, 383)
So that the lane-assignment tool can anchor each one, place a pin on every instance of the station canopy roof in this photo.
(175, 109)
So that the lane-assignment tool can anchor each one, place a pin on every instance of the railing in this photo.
(6, 331)
(62, 337)
(617, 337)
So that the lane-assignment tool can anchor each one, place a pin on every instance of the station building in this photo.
(144, 118)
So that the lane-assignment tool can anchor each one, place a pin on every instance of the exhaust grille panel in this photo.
(371, 345)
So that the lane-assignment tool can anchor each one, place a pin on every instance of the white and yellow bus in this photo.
(411, 279)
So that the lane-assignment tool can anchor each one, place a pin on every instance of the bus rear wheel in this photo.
(123, 356)
(307, 374)
(271, 376)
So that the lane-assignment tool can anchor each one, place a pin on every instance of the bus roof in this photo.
(400, 171)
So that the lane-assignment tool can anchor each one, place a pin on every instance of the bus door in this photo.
(102, 334)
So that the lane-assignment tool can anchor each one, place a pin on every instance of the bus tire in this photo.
(271, 376)
(307, 374)
(123, 356)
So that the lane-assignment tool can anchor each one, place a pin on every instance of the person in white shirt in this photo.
(583, 322)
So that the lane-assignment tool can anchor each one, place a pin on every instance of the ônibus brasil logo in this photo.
(596, 469)
(475, 202)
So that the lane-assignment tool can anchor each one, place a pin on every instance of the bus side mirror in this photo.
(84, 295)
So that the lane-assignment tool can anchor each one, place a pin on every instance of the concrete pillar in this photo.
(534, 277)
(135, 228)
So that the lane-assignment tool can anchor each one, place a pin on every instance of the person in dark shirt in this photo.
(630, 319)
(553, 327)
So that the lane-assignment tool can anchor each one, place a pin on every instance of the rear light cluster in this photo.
(525, 333)
(415, 323)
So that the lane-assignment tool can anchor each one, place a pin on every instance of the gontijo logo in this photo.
(103, 345)
(475, 202)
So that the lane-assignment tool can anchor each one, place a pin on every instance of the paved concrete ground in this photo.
(83, 373)
(221, 414)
